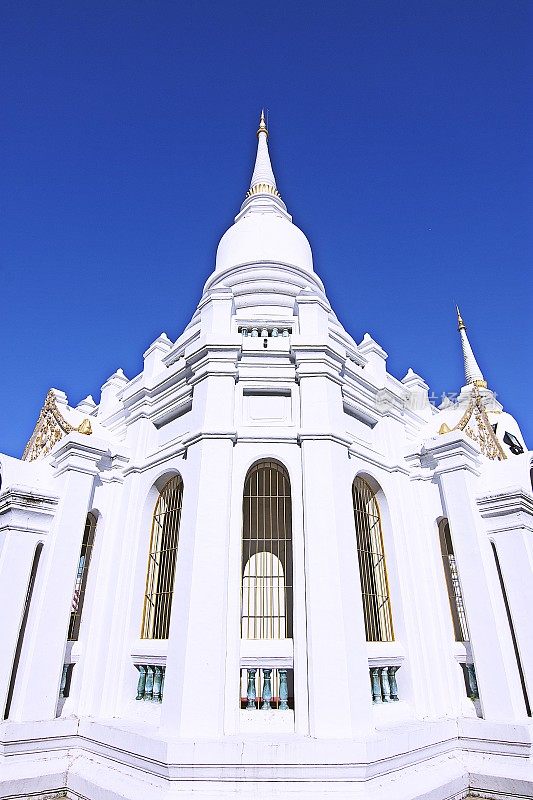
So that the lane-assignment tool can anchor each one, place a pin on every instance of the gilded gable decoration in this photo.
(50, 428)
(476, 425)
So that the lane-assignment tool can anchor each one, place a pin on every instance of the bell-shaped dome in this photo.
(264, 236)
(263, 230)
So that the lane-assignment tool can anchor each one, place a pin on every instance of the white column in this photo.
(456, 459)
(509, 516)
(94, 679)
(193, 702)
(25, 519)
(338, 677)
(41, 663)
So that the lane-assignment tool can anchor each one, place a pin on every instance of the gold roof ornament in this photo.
(475, 423)
(50, 428)
(85, 427)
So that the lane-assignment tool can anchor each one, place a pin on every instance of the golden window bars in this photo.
(266, 611)
(453, 584)
(80, 585)
(372, 566)
(162, 561)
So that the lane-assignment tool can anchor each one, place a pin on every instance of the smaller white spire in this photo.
(473, 374)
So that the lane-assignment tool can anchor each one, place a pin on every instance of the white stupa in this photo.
(266, 568)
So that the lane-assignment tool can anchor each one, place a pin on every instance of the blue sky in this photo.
(400, 138)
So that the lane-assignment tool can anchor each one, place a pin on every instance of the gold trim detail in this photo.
(50, 428)
(444, 428)
(263, 188)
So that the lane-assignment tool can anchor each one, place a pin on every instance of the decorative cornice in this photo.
(451, 452)
(320, 436)
(199, 436)
(79, 455)
(50, 428)
(509, 509)
(26, 511)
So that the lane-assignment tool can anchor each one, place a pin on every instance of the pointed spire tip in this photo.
(262, 125)
(473, 374)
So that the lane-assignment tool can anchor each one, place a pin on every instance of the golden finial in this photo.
(262, 126)
(460, 324)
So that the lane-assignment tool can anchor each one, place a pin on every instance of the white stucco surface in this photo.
(265, 370)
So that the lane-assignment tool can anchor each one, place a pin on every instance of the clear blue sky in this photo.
(401, 142)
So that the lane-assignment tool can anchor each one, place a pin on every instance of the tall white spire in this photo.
(473, 374)
(263, 179)
(263, 183)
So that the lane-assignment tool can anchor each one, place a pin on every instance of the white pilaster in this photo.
(456, 462)
(25, 520)
(193, 704)
(338, 677)
(509, 516)
(76, 458)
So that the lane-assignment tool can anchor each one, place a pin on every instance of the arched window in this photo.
(267, 553)
(78, 595)
(453, 584)
(372, 567)
(162, 561)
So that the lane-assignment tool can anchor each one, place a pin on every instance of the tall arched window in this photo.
(266, 611)
(372, 567)
(162, 561)
(455, 595)
(78, 595)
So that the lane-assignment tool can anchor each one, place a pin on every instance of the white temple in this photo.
(264, 566)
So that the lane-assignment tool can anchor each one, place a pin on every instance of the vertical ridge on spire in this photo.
(473, 374)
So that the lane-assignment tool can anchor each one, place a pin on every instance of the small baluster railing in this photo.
(66, 679)
(383, 683)
(151, 683)
(267, 688)
(469, 672)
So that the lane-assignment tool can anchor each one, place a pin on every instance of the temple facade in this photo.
(266, 567)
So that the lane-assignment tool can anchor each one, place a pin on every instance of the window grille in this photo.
(162, 561)
(453, 584)
(372, 567)
(266, 553)
(78, 596)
